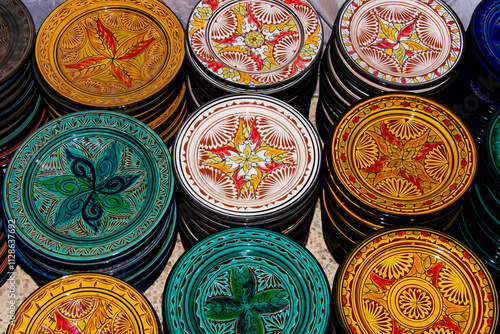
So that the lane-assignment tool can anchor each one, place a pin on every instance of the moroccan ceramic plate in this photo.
(88, 186)
(86, 303)
(414, 280)
(255, 43)
(246, 280)
(108, 54)
(247, 156)
(17, 36)
(403, 155)
(403, 44)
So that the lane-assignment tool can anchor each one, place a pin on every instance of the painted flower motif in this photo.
(246, 305)
(415, 303)
(113, 55)
(92, 189)
(247, 159)
(398, 40)
(402, 158)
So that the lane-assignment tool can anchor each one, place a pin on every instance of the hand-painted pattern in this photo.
(85, 304)
(112, 55)
(246, 306)
(247, 159)
(401, 41)
(439, 288)
(93, 190)
(403, 154)
(406, 158)
(255, 42)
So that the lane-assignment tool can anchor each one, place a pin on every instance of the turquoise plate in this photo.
(88, 186)
(246, 280)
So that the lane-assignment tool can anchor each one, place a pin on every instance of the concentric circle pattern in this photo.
(400, 42)
(107, 54)
(246, 280)
(255, 43)
(85, 303)
(414, 280)
(88, 186)
(402, 154)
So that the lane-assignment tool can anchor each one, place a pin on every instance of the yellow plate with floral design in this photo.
(402, 154)
(85, 303)
(110, 53)
(414, 280)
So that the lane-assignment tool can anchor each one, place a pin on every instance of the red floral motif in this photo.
(402, 159)
(111, 55)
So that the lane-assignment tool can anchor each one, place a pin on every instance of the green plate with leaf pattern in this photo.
(246, 280)
(88, 186)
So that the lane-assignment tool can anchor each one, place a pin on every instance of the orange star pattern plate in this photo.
(402, 155)
(414, 280)
(110, 53)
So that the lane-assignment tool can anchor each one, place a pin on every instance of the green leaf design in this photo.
(250, 323)
(114, 203)
(270, 301)
(64, 185)
(71, 207)
(107, 165)
(223, 308)
(242, 284)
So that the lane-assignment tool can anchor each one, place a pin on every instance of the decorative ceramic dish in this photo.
(402, 154)
(403, 44)
(260, 43)
(246, 281)
(414, 280)
(108, 54)
(246, 157)
(17, 35)
(86, 303)
(88, 186)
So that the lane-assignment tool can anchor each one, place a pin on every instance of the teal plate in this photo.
(88, 186)
(246, 280)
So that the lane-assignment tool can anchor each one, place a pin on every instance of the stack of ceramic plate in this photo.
(475, 95)
(270, 47)
(114, 55)
(385, 46)
(394, 160)
(246, 280)
(479, 224)
(413, 280)
(85, 303)
(246, 160)
(20, 109)
(92, 191)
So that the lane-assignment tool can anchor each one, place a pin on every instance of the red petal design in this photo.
(224, 151)
(64, 325)
(434, 272)
(86, 62)
(137, 50)
(377, 166)
(381, 282)
(384, 44)
(254, 137)
(406, 31)
(212, 3)
(121, 75)
(390, 137)
(106, 36)
(427, 148)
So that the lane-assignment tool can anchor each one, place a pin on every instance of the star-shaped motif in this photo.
(246, 159)
(246, 305)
